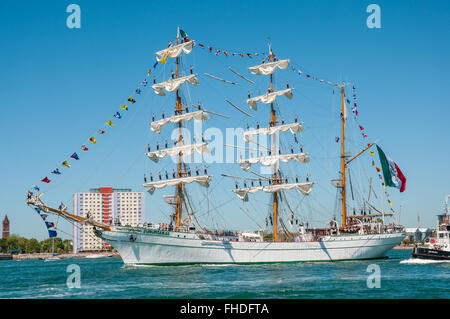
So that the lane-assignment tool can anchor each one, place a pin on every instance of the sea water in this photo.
(399, 277)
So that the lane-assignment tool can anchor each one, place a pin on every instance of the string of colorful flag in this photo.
(217, 51)
(50, 226)
(310, 76)
(354, 108)
(93, 139)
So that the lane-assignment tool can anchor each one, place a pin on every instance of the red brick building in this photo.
(5, 232)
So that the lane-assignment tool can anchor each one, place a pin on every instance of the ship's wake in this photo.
(417, 261)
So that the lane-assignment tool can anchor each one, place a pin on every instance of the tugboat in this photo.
(439, 247)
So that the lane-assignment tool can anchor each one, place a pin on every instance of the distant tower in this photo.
(5, 233)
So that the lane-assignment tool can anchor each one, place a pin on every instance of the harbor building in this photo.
(118, 206)
(418, 235)
(5, 229)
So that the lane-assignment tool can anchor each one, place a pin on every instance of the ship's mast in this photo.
(343, 164)
(179, 107)
(275, 156)
(181, 175)
(273, 121)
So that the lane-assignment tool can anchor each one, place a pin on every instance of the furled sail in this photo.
(269, 68)
(303, 188)
(173, 84)
(272, 160)
(293, 127)
(175, 51)
(242, 193)
(203, 180)
(201, 148)
(200, 115)
(268, 98)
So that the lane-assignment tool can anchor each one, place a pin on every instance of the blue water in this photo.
(109, 278)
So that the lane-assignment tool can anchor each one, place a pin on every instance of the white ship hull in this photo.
(166, 249)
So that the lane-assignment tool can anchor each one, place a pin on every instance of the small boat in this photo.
(6, 257)
(95, 256)
(54, 257)
(438, 247)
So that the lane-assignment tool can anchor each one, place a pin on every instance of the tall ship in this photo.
(438, 246)
(185, 240)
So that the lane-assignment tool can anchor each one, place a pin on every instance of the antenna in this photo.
(446, 203)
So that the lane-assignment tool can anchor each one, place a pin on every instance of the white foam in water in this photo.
(417, 261)
(217, 265)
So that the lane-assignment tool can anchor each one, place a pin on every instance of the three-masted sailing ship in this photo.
(180, 242)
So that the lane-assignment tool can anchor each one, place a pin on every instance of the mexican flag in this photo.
(392, 174)
(184, 36)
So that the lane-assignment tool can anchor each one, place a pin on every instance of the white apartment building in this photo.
(108, 205)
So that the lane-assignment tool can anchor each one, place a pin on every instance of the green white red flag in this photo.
(392, 174)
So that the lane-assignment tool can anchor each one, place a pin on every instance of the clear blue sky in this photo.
(59, 85)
